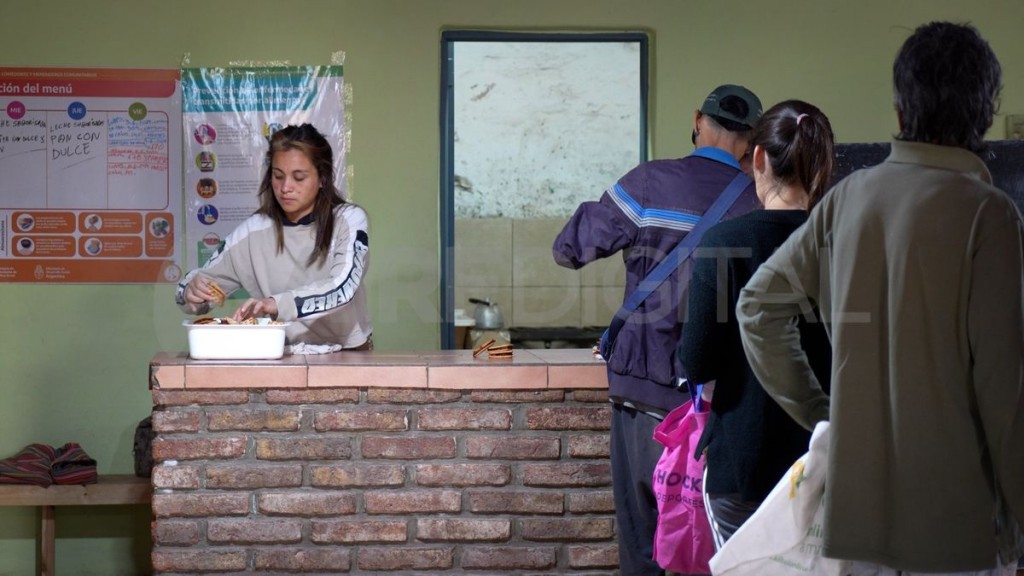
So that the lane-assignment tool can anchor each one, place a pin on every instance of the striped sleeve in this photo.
(348, 262)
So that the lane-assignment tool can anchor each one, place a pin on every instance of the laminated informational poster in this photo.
(90, 175)
(229, 115)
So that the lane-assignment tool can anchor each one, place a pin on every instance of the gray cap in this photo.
(713, 107)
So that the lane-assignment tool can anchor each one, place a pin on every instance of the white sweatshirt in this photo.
(325, 303)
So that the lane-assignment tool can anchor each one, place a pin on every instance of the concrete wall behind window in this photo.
(539, 127)
(542, 126)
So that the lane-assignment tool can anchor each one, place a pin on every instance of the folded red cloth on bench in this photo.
(73, 466)
(29, 466)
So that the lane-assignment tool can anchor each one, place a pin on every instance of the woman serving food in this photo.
(302, 255)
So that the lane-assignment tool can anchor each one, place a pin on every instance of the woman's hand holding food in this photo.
(255, 308)
(202, 289)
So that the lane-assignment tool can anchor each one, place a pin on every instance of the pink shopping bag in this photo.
(682, 539)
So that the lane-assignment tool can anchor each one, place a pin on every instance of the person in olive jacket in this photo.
(918, 267)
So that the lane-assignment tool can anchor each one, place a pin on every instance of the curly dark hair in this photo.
(946, 80)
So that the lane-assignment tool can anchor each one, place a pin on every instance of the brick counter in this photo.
(374, 463)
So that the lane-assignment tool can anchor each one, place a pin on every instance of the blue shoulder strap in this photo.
(680, 253)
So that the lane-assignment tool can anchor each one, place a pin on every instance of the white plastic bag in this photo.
(784, 536)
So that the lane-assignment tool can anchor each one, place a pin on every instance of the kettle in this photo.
(487, 315)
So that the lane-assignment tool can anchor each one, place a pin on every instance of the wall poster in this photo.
(90, 175)
(229, 115)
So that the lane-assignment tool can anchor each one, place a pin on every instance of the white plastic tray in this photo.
(235, 341)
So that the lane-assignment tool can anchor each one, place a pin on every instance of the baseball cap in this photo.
(737, 116)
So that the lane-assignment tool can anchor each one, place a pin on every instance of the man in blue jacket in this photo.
(646, 214)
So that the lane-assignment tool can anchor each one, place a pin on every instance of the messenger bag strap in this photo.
(679, 254)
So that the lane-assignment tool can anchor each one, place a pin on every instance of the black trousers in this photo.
(634, 455)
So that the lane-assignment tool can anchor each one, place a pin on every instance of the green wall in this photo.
(74, 359)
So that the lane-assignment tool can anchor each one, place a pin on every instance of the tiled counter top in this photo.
(448, 369)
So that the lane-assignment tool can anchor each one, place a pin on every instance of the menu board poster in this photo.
(229, 115)
(90, 175)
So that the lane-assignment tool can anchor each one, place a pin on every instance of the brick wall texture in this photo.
(382, 481)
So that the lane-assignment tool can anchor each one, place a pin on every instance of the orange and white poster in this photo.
(90, 175)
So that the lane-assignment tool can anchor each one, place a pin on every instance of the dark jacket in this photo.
(645, 215)
(751, 442)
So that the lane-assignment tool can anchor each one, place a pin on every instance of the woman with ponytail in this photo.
(749, 440)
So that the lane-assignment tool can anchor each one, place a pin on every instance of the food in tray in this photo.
(218, 293)
(252, 321)
(213, 338)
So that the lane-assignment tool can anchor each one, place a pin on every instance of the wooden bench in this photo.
(113, 489)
